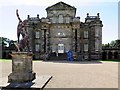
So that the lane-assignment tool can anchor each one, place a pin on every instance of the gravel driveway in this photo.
(74, 74)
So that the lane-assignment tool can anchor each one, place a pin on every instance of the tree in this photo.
(112, 44)
(4, 41)
(7, 46)
(12, 45)
(117, 43)
(105, 45)
(7, 43)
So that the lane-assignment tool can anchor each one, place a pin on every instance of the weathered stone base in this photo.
(21, 77)
(21, 68)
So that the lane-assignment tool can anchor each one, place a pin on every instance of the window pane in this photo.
(60, 18)
(97, 45)
(37, 34)
(85, 34)
(85, 47)
(54, 20)
(96, 32)
(37, 47)
(67, 19)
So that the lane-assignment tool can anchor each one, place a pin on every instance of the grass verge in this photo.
(5, 60)
(110, 60)
(9, 60)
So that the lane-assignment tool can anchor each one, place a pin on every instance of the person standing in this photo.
(70, 55)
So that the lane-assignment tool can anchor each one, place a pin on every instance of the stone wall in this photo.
(111, 53)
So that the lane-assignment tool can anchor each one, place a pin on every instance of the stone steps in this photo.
(61, 56)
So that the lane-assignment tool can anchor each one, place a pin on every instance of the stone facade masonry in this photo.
(62, 31)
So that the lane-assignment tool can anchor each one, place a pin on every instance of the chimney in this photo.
(38, 16)
(98, 15)
(28, 17)
(87, 14)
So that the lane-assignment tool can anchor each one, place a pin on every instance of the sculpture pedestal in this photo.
(21, 68)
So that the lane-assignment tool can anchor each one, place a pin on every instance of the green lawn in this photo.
(110, 60)
(9, 60)
(5, 60)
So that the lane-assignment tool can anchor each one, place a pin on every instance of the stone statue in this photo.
(22, 60)
(23, 44)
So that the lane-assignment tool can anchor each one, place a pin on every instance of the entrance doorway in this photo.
(110, 55)
(115, 55)
(104, 56)
(60, 48)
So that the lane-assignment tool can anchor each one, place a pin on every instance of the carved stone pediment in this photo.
(61, 6)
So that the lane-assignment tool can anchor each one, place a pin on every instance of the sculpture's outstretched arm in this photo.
(18, 15)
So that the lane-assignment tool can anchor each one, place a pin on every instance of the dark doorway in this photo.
(110, 55)
(104, 56)
(115, 55)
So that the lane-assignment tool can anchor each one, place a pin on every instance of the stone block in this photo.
(21, 67)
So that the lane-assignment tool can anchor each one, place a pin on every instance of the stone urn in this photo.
(21, 68)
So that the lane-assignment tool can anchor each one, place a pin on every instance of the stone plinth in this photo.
(21, 68)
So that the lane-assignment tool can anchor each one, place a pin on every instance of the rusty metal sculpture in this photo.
(23, 44)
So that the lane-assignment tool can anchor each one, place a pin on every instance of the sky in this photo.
(108, 10)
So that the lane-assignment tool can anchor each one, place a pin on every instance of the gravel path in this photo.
(74, 74)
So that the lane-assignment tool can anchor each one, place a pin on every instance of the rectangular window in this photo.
(54, 20)
(86, 57)
(85, 34)
(37, 47)
(37, 35)
(60, 18)
(97, 45)
(96, 32)
(67, 19)
(42, 33)
(85, 47)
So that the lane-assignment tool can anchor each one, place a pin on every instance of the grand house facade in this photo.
(61, 31)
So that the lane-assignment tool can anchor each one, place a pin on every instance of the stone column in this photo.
(73, 39)
(21, 68)
(47, 41)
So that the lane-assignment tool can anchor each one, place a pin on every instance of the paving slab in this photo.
(73, 74)
(39, 83)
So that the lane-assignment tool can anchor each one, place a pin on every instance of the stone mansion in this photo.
(62, 31)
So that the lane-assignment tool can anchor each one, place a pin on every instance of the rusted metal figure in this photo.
(23, 44)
